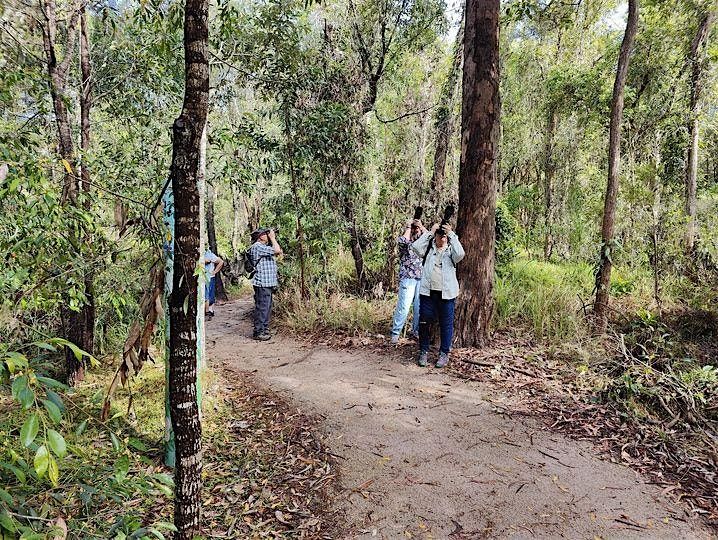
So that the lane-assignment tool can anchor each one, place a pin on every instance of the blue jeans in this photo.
(433, 307)
(408, 295)
(262, 309)
(209, 291)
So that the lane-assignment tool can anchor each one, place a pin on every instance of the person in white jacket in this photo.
(440, 251)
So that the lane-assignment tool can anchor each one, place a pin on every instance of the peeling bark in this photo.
(78, 326)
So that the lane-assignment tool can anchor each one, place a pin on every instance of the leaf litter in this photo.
(267, 472)
(678, 458)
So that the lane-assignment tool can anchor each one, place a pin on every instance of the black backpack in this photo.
(250, 265)
(250, 268)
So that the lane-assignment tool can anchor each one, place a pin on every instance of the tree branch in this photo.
(412, 113)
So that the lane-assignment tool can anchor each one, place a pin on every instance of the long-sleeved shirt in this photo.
(449, 258)
(409, 262)
(265, 264)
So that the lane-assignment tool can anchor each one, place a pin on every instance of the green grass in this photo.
(543, 297)
(548, 298)
(335, 312)
(112, 482)
(243, 288)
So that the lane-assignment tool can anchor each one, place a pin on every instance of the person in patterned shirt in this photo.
(410, 269)
(265, 280)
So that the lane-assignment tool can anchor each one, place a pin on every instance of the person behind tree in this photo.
(265, 280)
(212, 265)
(441, 250)
(409, 279)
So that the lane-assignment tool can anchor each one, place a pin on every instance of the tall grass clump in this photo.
(543, 297)
(333, 311)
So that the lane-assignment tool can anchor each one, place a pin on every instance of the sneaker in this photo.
(443, 360)
(394, 339)
(266, 336)
(423, 360)
(414, 336)
(209, 314)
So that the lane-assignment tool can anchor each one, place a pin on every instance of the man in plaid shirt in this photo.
(263, 251)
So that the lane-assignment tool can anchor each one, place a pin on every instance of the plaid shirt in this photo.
(263, 257)
(409, 262)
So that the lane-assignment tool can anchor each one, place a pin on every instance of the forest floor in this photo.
(422, 453)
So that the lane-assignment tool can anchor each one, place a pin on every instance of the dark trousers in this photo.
(209, 290)
(432, 308)
(262, 309)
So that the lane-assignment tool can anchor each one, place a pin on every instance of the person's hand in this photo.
(447, 228)
(272, 235)
(434, 228)
(409, 223)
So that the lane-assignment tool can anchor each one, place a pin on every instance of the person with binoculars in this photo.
(265, 279)
(409, 279)
(441, 251)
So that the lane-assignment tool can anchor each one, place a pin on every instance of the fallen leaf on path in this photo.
(554, 479)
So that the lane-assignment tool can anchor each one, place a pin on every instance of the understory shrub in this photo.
(543, 297)
(335, 311)
(665, 371)
(506, 237)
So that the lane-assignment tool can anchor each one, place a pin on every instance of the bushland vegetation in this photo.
(331, 121)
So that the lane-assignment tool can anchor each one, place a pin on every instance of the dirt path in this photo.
(423, 454)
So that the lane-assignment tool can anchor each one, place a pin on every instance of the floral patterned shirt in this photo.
(410, 264)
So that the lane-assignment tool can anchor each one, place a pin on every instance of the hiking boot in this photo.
(395, 339)
(423, 360)
(443, 360)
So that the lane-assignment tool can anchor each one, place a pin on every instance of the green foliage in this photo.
(350, 96)
(337, 312)
(91, 466)
(506, 237)
(543, 297)
(657, 375)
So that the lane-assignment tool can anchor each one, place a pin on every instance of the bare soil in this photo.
(422, 454)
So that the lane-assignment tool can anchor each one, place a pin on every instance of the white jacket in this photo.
(452, 256)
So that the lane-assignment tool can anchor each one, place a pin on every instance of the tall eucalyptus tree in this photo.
(480, 133)
(603, 274)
